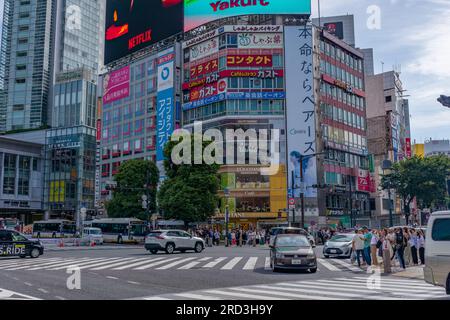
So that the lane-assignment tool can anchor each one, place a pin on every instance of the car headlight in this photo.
(311, 256)
(279, 255)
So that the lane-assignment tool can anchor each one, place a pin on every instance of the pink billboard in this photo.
(116, 85)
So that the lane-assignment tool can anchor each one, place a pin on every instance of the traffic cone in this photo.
(92, 243)
(61, 243)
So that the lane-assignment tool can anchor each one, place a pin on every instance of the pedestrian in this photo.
(358, 247)
(367, 238)
(400, 247)
(238, 237)
(407, 253)
(421, 245)
(373, 247)
(233, 238)
(413, 243)
(387, 248)
(244, 237)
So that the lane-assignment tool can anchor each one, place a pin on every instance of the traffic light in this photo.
(444, 100)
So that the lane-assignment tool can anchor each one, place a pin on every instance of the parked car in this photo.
(340, 245)
(15, 244)
(173, 240)
(285, 230)
(292, 251)
(437, 250)
(92, 235)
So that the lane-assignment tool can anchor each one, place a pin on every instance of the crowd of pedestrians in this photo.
(387, 247)
(238, 237)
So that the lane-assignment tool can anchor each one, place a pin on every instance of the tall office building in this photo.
(5, 31)
(28, 47)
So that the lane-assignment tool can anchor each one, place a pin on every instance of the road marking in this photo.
(214, 263)
(194, 264)
(328, 265)
(28, 284)
(26, 263)
(133, 282)
(43, 290)
(196, 296)
(282, 294)
(121, 262)
(230, 265)
(11, 295)
(113, 278)
(156, 298)
(154, 264)
(136, 264)
(60, 298)
(63, 264)
(42, 263)
(251, 264)
(348, 266)
(267, 264)
(237, 295)
(173, 264)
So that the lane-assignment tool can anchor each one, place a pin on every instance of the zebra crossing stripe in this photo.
(348, 266)
(236, 295)
(251, 264)
(156, 299)
(35, 264)
(267, 264)
(214, 263)
(128, 266)
(67, 262)
(154, 264)
(26, 263)
(194, 264)
(396, 281)
(101, 263)
(124, 261)
(230, 265)
(173, 264)
(9, 262)
(196, 296)
(328, 265)
(73, 262)
(276, 291)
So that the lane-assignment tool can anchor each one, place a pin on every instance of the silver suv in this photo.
(171, 241)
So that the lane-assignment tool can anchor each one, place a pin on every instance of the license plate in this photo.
(296, 262)
(333, 251)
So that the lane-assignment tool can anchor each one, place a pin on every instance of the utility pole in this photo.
(352, 218)
(302, 194)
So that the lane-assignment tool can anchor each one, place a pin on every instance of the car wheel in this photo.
(35, 253)
(119, 240)
(447, 289)
(198, 247)
(313, 270)
(170, 248)
(153, 251)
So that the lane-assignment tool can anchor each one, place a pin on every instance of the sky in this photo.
(413, 34)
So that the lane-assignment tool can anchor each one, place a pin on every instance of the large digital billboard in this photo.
(134, 24)
(199, 12)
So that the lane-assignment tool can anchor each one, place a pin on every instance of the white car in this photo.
(90, 235)
(173, 240)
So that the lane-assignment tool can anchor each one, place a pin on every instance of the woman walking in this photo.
(407, 252)
(421, 245)
(373, 246)
(414, 247)
(387, 251)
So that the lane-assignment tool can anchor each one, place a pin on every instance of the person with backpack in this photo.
(400, 247)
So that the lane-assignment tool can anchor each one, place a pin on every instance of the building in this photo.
(437, 147)
(343, 27)
(70, 146)
(29, 63)
(21, 176)
(5, 34)
(389, 133)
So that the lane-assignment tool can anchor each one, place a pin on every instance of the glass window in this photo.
(9, 174)
(441, 230)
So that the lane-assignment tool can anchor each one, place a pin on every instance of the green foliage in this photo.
(135, 178)
(190, 192)
(420, 178)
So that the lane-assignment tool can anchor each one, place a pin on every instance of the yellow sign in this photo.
(57, 191)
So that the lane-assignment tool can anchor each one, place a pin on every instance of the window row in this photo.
(343, 96)
(340, 115)
(341, 74)
(338, 54)
(344, 137)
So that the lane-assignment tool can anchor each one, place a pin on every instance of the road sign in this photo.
(291, 201)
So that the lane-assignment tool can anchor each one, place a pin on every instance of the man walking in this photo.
(400, 247)
(367, 243)
(358, 247)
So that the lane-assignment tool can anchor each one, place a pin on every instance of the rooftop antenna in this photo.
(318, 5)
(382, 67)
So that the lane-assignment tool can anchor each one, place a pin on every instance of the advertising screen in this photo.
(134, 24)
(336, 29)
(116, 85)
(199, 12)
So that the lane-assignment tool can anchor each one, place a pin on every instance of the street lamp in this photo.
(227, 216)
(387, 166)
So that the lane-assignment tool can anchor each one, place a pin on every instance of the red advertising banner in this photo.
(204, 68)
(201, 82)
(116, 85)
(206, 91)
(244, 60)
(99, 130)
(408, 148)
(252, 73)
(364, 180)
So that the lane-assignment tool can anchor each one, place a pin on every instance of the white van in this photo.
(437, 250)
(90, 235)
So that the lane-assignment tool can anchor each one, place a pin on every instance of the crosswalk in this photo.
(161, 263)
(356, 288)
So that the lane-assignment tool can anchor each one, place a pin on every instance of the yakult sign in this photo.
(199, 12)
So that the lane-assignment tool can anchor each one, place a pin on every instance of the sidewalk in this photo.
(415, 272)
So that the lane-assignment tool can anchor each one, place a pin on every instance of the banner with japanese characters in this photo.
(260, 40)
(300, 111)
(249, 60)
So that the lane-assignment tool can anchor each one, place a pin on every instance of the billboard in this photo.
(335, 28)
(199, 12)
(250, 60)
(300, 111)
(116, 85)
(260, 41)
(165, 101)
(134, 24)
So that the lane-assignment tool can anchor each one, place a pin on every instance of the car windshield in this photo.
(18, 237)
(292, 241)
(154, 234)
(342, 238)
(94, 231)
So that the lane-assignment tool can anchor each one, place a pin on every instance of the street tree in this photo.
(190, 191)
(135, 179)
(419, 178)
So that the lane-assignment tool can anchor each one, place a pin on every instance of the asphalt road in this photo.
(217, 273)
